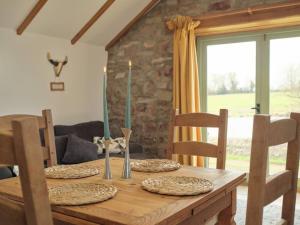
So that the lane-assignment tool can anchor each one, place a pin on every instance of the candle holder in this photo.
(126, 174)
(107, 173)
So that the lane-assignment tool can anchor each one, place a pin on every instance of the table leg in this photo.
(226, 216)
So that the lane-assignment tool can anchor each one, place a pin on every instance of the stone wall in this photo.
(149, 45)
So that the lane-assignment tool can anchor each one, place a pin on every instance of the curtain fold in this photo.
(186, 95)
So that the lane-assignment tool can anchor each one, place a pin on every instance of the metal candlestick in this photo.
(126, 168)
(107, 173)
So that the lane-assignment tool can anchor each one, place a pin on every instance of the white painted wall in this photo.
(25, 76)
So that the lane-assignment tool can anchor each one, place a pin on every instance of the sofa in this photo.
(88, 131)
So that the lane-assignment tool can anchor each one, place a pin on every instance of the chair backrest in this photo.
(21, 146)
(45, 125)
(195, 147)
(262, 189)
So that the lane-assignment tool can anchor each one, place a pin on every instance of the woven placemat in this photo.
(154, 165)
(71, 171)
(177, 185)
(81, 193)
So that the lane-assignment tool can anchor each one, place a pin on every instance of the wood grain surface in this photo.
(133, 205)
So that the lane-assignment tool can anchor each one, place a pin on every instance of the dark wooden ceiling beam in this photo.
(90, 23)
(38, 6)
(124, 31)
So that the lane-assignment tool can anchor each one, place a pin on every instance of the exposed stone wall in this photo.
(149, 45)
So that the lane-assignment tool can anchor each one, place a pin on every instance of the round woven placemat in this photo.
(71, 171)
(177, 185)
(81, 193)
(154, 165)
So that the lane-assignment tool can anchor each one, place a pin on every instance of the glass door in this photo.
(230, 69)
(250, 74)
(284, 86)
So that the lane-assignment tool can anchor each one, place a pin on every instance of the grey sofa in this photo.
(87, 131)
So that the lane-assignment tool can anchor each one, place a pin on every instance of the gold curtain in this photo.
(186, 96)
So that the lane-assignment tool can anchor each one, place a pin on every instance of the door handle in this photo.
(257, 108)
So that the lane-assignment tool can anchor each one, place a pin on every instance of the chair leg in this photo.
(288, 206)
(255, 212)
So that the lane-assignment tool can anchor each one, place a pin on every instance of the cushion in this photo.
(117, 144)
(5, 172)
(79, 151)
(61, 147)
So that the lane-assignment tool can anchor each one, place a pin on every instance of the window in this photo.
(248, 74)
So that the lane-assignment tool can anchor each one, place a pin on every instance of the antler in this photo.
(65, 61)
(54, 63)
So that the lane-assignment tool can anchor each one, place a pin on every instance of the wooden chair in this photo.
(45, 124)
(263, 190)
(21, 146)
(200, 148)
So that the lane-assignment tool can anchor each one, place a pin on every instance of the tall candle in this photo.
(128, 100)
(105, 111)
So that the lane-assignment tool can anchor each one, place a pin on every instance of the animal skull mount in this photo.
(57, 65)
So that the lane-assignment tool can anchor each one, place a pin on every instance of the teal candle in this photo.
(128, 100)
(105, 111)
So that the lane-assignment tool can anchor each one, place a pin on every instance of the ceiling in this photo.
(64, 18)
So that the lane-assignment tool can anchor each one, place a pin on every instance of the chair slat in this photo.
(277, 185)
(222, 138)
(197, 120)
(5, 121)
(171, 135)
(49, 138)
(7, 155)
(196, 148)
(46, 154)
(258, 170)
(282, 131)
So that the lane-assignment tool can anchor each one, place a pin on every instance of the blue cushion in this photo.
(61, 147)
(5, 172)
(79, 151)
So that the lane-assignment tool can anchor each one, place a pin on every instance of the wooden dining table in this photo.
(135, 206)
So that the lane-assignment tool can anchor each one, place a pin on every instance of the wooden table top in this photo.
(132, 204)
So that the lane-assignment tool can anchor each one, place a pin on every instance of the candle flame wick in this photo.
(104, 69)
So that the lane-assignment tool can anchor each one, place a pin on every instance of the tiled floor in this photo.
(271, 213)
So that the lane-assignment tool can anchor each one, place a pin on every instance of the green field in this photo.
(239, 104)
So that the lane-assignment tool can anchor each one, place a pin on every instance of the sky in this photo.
(240, 59)
(226, 58)
(283, 53)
